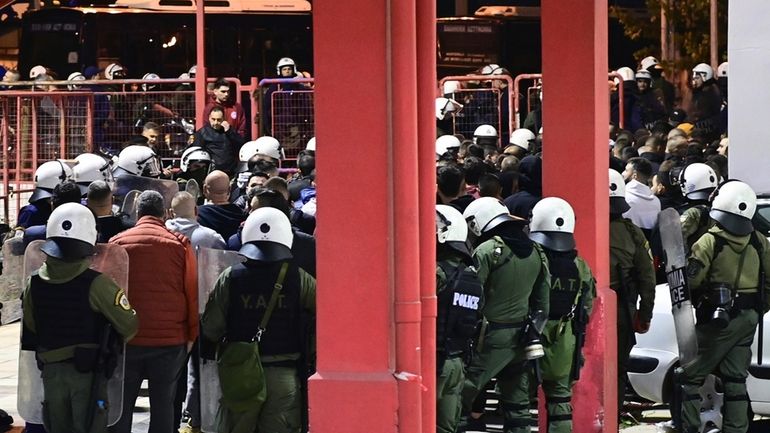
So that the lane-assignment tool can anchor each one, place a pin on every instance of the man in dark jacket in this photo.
(219, 215)
(530, 191)
(220, 140)
(706, 101)
(234, 115)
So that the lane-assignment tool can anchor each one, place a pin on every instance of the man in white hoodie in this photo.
(185, 221)
(645, 206)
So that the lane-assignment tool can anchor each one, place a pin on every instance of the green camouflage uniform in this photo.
(727, 352)
(67, 390)
(512, 286)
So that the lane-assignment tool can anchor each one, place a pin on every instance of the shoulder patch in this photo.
(121, 300)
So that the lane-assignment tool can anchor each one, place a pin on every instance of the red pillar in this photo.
(369, 250)
(576, 118)
(426, 79)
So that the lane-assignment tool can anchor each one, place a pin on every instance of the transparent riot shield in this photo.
(111, 260)
(211, 263)
(128, 207)
(128, 182)
(193, 188)
(11, 280)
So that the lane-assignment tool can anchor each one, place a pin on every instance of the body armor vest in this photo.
(565, 282)
(459, 308)
(250, 292)
(63, 314)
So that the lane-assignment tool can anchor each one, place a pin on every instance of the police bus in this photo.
(244, 38)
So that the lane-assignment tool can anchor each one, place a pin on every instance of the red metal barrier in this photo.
(483, 105)
(517, 84)
(42, 120)
(288, 113)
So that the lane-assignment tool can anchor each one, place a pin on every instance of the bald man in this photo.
(184, 213)
(219, 214)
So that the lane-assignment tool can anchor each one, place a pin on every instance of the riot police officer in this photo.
(516, 280)
(67, 308)
(698, 181)
(573, 290)
(727, 273)
(460, 297)
(632, 277)
(261, 301)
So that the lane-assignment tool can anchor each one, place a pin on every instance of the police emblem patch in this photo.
(122, 301)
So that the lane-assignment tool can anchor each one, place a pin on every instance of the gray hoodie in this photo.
(199, 236)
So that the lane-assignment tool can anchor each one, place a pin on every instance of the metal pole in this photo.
(664, 32)
(714, 38)
(200, 59)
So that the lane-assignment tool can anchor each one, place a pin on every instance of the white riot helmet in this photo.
(451, 229)
(722, 70)
(522, 137)
(618, 203)
(192, 71)
(150, 76)
(111, 69)
(643, 74)
(91, 168)
(698, 181)
(139, 161)
(70, 233)
(248, 150)
(451, 86)
(192, 155)
(310, 145)
(75, 76)
(447, 144)
(270, 147)
(649, 62)
(267, 236)
(485, 135)
(704, 71)
(627, 74)
(37, 71)
(184, 76)
(553, 224)
(491, 69)
(484, 214)
(734, 207)
(285, 61)
(47, 176)
(445, 106)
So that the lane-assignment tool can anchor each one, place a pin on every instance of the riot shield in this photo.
(128, 182)
(676, 274)
(111, 260)
(193, 188)
(211, 263)
(128, 207)
(11, 280)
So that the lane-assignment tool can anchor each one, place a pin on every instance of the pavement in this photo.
(9, 365)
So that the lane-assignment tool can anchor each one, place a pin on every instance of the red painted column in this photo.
(426, 94)
(576, 119)
(369, 311)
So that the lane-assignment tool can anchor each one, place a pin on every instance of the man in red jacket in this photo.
(234, 117)
(163, 281)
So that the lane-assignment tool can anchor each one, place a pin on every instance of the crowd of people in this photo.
(514, 295)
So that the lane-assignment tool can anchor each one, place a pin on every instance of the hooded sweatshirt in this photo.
(645, 206)
(199, 236)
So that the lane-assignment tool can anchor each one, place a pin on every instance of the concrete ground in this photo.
(9, 348)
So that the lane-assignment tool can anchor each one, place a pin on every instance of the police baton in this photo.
(94, 401)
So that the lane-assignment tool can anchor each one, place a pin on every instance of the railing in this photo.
(287, 112)
(539, 78)
(482, 104)
(43, 120)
